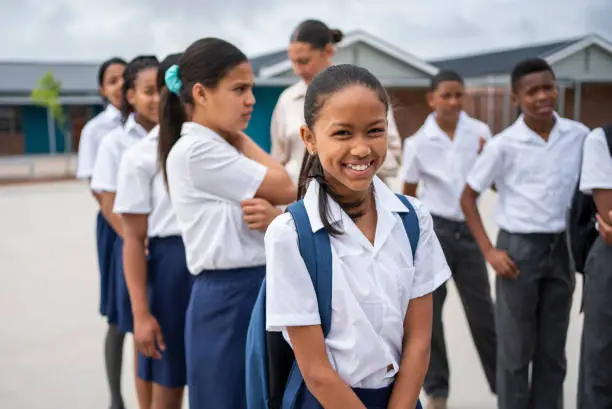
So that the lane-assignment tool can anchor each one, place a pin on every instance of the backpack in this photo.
(581, 228)
(273, 379)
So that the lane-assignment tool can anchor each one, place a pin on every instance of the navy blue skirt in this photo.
(215, 336)
(119, 305)
(105, 241)
(169, 285)
(371, 398)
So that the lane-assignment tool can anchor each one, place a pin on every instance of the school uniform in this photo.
(208, 178)
(441, 165)
(372, 285)
(141, 190)
(595, 380)
(287, 145)
(104, 179)
(91, 137)
(535, 181)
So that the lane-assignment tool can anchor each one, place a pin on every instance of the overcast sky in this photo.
(88, 30)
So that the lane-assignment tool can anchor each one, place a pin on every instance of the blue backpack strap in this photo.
(316, 252)
(411, 224)
(413, 230)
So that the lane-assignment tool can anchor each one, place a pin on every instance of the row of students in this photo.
(139, 107)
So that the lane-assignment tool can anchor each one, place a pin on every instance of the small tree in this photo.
(47, 95)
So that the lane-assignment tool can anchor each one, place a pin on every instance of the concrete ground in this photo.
(51, 336)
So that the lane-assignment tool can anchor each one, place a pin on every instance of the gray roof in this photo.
(499, 62)
(22, 77)
(267, 59)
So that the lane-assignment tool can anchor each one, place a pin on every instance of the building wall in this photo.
(490, 107)
(592, 62)
(11, 132)
(35, 129)
(596, 104)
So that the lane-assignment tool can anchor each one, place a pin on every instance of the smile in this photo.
(359, 167)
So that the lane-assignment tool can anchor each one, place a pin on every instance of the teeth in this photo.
(358, 167)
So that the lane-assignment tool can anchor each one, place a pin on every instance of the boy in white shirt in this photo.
(438, 158)
(534, 165)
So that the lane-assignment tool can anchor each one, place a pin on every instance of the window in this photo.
(10, 120)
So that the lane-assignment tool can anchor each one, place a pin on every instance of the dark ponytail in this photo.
(130, 75)
(171, 119)
(316, 33)
(207, 61)
(334, 79)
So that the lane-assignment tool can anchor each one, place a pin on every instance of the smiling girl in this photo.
(377, 350)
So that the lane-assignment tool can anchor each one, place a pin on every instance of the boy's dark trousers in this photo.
(532, 321)
(595, 375)
(470, 275)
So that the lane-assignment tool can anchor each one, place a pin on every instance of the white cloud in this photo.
(92, 30)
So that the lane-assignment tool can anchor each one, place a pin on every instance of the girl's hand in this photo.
(259, 213)
(148, 336)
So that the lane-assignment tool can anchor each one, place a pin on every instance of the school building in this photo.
(583, 66)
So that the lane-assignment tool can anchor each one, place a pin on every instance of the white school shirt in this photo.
(287, 144)
(208, 179)
(91, 137)
(535, 179)
(442, 164)
(114, 145)
(371, 285)
(596, 163)
(141, 188)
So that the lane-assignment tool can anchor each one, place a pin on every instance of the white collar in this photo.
(194, 127)
(134, 128)
(154, 134)
(433, 130)
(112, 113)
(383, 196)
(526, 134)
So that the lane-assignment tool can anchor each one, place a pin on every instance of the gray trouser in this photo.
(532, 321)
(595, 378)
(469, 272)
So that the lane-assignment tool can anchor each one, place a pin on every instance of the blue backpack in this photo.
(273, 379)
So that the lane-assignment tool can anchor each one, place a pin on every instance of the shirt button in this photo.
(457, 235)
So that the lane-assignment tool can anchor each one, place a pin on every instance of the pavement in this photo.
(51, 336)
